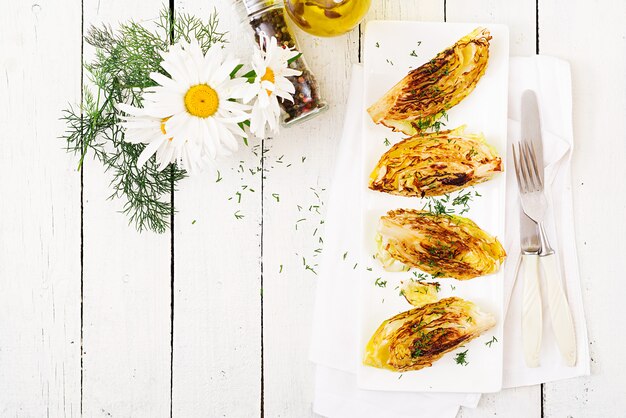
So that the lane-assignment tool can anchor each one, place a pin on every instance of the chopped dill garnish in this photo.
(276, 196)
(238, 215)
(387, 143)
(380, 282)
(461, 358)
(493, 340)
(219, 177)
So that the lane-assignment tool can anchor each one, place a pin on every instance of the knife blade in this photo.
(560, 314)
(532, 315)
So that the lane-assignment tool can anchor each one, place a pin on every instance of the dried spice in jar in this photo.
(267, 18)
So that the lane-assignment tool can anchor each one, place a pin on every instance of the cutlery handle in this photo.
(531, 310)
(559, 310)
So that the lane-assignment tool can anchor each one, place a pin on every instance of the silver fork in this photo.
(534, 204)
(530, 185)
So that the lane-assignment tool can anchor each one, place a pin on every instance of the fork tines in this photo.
(527, 173)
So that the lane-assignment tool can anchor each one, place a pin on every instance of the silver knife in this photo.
(562, 323)
(532, 317)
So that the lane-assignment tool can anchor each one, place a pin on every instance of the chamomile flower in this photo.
(193, 115)
(140, 128)
(271, 65)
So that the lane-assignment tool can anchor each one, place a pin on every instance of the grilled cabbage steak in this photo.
(415, 339)
(434, 164)
(425, 93)
(441, 245)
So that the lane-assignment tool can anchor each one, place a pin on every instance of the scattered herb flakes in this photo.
(281, 269)
(312, 270)
(239, 215)
(193, 222)
(389, 62)
(453, 288)
(369, 269)
(355, 265)
(377, 45)
(238, 194)
(276, 196)
(413, 53)
(387, 143)
(303, 159)
(380, 282)
(219, 177)
(345, 255)
(400, 377)
(298, 221)
(461, 358)
(493, 340)
(419, 43)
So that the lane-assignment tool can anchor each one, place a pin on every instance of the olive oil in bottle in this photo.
(327, 17)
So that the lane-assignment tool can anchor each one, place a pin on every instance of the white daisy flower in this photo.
(190, 117)
(270, 63)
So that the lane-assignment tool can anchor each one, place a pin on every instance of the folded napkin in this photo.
(335, 332)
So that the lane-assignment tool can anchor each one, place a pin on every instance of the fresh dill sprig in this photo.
(120, 73)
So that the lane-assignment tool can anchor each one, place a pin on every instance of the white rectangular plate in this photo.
(389, 56)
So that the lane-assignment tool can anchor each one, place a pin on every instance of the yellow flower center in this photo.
(201, 101)
(269, 76)
(163, 126)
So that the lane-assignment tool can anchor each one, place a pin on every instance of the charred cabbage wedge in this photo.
(415, 339)
(423, 96)
(441, 245)
(434, 164)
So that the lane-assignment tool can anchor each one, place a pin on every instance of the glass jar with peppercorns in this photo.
(267, 18)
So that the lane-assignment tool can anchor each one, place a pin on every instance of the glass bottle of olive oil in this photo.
(327, 17)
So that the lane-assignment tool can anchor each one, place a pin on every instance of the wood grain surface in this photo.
(213, 318)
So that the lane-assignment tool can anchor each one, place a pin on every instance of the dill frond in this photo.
(120, 73)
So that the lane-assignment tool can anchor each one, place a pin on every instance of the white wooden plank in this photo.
(289, 236)
(217, 308)
(126, 330)
(520, 17)
(39, 212)
(592, 37)
(288, 287)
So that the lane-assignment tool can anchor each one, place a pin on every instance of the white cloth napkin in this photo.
(335, 335)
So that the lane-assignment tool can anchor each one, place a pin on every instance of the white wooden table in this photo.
(100, 321)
